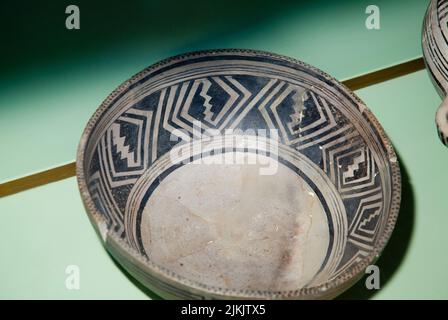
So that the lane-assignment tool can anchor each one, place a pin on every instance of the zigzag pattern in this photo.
(435, 43)
(118, 165)
(364, 227)
(208, 114)
(293, 132)
(345, 157)
(178, 107)
(357, 161)
(305, 120)
(117, 172)
(122, 149)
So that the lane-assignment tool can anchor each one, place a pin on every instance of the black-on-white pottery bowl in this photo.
(239, 174)
(435, 54)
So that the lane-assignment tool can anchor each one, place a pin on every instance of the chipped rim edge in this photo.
(331, 288)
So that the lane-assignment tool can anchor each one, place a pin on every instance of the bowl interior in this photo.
(241, 171)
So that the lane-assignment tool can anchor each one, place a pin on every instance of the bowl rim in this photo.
(340, 282)
(439, 83)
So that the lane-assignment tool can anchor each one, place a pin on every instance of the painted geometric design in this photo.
(435, 53)
(345, 156)
(435, 43)
(237, 94)
(293, 131)
(354, 259)
(123, 155)
(364, 228)
(225, 114)
(120, 164)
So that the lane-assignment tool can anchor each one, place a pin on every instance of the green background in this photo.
(53, 79)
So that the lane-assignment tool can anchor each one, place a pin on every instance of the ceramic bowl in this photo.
(239, 174)
(435, 54)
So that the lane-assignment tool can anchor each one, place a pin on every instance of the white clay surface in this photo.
(227, 226)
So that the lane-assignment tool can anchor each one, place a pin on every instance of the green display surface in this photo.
(46, 229)
(53, 79)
